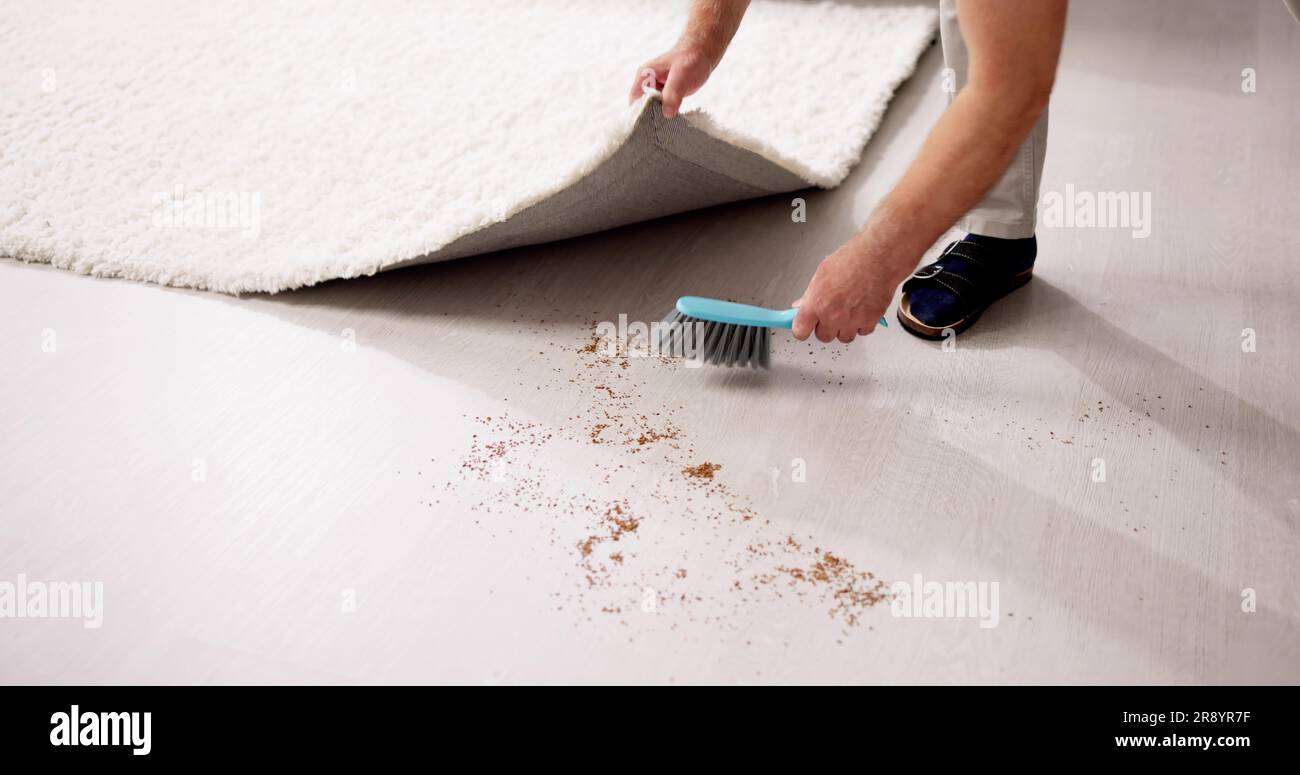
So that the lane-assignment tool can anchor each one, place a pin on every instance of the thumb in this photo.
(674, 91)
(804, 323)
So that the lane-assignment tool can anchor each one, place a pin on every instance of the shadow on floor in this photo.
(1044, 317)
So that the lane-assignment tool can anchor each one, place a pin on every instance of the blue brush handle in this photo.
(738, 314)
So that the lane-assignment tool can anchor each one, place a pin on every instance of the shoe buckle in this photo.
(926, 272)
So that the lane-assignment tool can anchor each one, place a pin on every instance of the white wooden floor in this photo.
(437, 503)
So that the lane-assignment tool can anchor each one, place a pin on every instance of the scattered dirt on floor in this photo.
(852, 590)
(628, 552)
(623, 546)
(651, 436)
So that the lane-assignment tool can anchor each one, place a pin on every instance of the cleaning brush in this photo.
(723, 332)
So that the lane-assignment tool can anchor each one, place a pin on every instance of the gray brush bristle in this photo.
(721, 344)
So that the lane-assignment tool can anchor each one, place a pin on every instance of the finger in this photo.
(635, 92)
(797, 302)
(804, 323)
(864, 331)
(825, 333)
(846, 336)
(674, 91)
(647, 77)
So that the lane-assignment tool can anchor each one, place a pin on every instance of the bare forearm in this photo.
(964, 156)
(1015, 45)
(712, 25)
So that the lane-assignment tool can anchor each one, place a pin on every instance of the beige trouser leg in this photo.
(1010, 207)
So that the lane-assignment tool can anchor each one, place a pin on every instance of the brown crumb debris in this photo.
(702, 470)
(851, 590)
(614, 525)
(651, 436)
(623, 536)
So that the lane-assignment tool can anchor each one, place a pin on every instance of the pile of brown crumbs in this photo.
(702, 471)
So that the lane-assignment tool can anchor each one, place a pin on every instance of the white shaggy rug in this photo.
(250, 145)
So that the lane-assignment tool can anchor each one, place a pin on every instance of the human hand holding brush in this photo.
(848, 294)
